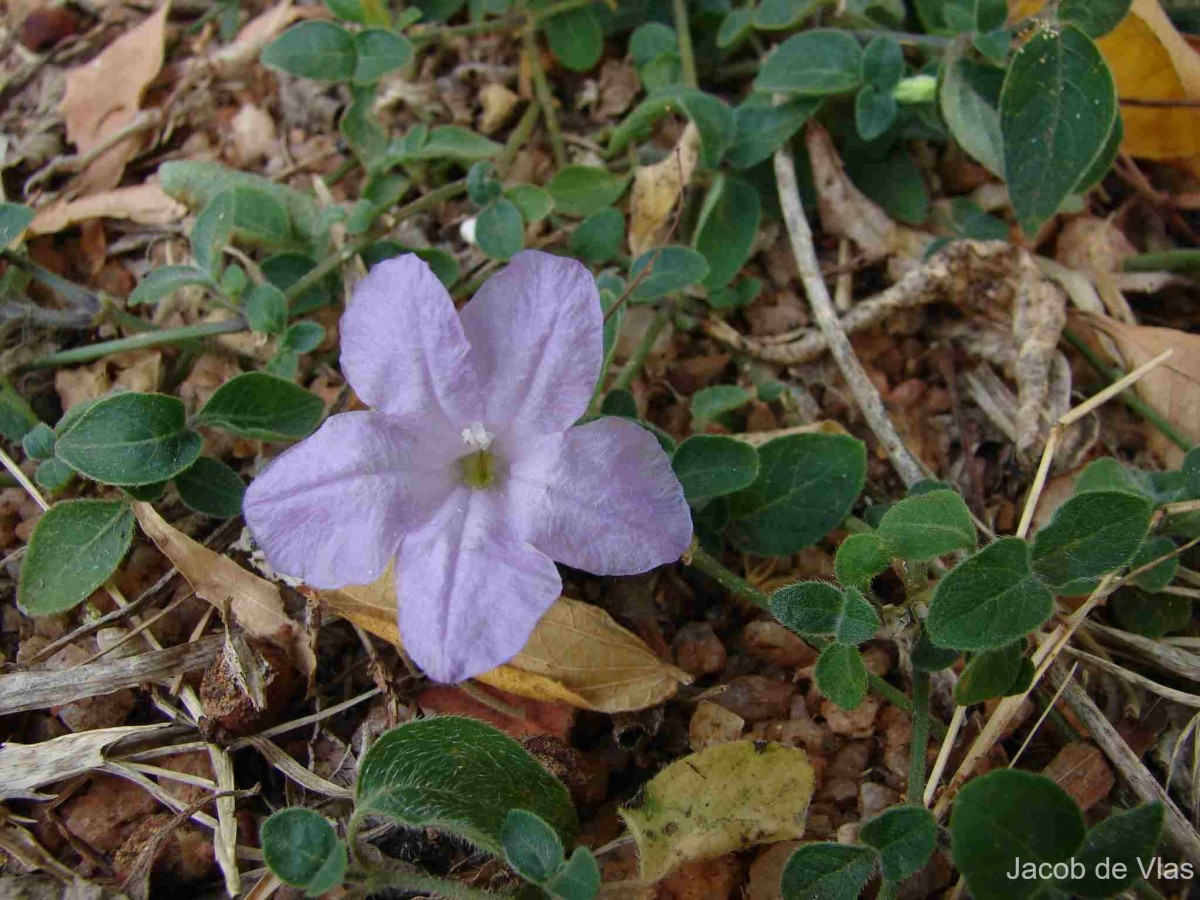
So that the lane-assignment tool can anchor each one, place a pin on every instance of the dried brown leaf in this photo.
(845, 211)
(254, 602)
(656, 190)
(146, 204)
(255, 34)
(26, 767)
(104, 96)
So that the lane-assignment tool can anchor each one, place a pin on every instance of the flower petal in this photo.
(600, 497)
(470, 591)
(537, 332)
(332, 509)
(403, 347)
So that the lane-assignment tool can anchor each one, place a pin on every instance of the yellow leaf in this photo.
(577, 655)
(253, 602)
(721, 799)
(656, 190)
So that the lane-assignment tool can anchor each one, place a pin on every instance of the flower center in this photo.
(479, 467)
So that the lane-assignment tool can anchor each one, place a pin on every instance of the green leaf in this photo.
(712, 116)
(303, 337)
(779, 15)
(531, 847)
(735, 28)
(303, 851)
(444, 265)
(259, 218)
(929, 658)
(53, 475)
(993, 44)
(212, 230)
(1056, 112)
(745, 292)
(257, 405)
(266, 309)
(710, 402)
(727, 228)
(989, 600)
(859, 558)
(457, 143)
(619, 402)
(905, 837)
(990, 673)
(1095, 18)
(1091, 534)
(651, 40)
(369, 142)
(893, 180)
(709, 465)
(1103, 162)
(1008, 815)
(883, 62)
(1191, 471)
(812, 64)
(16, 416)
(482, 184)
(921, 528)
(314, 49)
(818, 608)
(1107, 474)
(499, 230)
(579, 879)
(598, 237)
(73, 550)
(462, 776)
(348, 10)
(672, 268)
(583, 190)
(841, 675)
(1163, 574)
(826, 871)
(14, 219)
(761, 129)
(1125, 839)
(806, 486)
(147, 493)
(535, 203)
(575, 38)
(212, 488)
(380, 51)
(970, 102)
(128, 439)
(1150, 615)
(166, 281)
(38, 442)
(874, 111)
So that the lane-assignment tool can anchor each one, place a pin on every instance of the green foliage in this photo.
(266, 309)
(461, 776)
(598, 237)
(727, 228)
(38, 442)
(303, 851)
(762, 128)
(815, 608)
(1126, 839)
(1161, 575)
(778, 15)
(75, 547)
(533, 202)
(1089, 535)
(379, 52)
(1095, 18)
(535, 852)
(1150, 615)
(989, 600)
(1056, 111)
(813, 64)
(710, 465)
(841, 675)
(166, 281)
(904, 836)
(128, 439)
(314, 49)
(710, 402)
(210, 487)
(714, 120)
(990, 673)
(826, 871)
(211, 232)
(14, 219)
(575, 38)
(927, 526)
(970, 103)
(928, 657)
(583, 190)
(860, 557)
(671, 269)
(500, 230)
(257, 405)
(16, 416)
(806, 486)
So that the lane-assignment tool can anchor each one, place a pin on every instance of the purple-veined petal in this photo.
(600, 497)
(536, 332)
(470, 590)
(332, 509)
(403, 347)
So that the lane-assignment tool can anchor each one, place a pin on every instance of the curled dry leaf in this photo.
(1173, 388)
(656, 190)
(104, 96)
(578, 654)
(722, 799)
(845, 210)
(254, 602)
(255, 34)
(145, 204)
(1039, 313)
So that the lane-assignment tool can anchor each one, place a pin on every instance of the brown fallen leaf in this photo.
(145, 204)
(104, 96)
(254, 602)
(656, 190)
(845, 210)
(578, 654)
(1173, 388)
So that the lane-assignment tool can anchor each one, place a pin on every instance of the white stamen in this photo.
(477, 437)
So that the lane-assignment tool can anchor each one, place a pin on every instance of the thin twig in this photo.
(541, 88)
(864, 391)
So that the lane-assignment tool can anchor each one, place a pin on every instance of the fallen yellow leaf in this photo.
(722, 799)
(656, 190)
(254, 602)
(578, 654)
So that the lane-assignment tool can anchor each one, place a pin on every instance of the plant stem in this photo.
(518, 137)
(541, 88)
(1132, 400)
(687, 59)
(1185, 260)
(929, 41)
(642, 350)
(920, 738)
(425, 884)
(536, 17)
(141, 341)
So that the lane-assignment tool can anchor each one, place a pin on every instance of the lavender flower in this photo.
(467, 471)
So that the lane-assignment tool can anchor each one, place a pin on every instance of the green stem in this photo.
(929, 41)
(920, 737)
(518, 137)
(541, 88)
(1186, 260)
(1132, 400)
(687, 59)
(642, 350)
(487, 26)
(142, 341)
(426, 884)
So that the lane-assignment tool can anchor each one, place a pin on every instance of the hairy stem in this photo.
(642, 350)
(687, 58)
(920, 738)
(541, 88)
